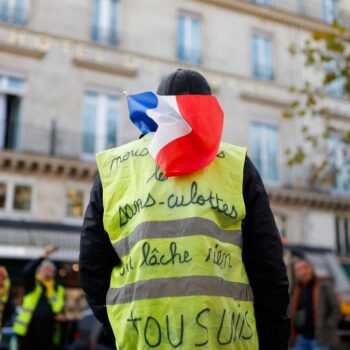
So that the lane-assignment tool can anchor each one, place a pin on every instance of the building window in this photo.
(188, 39)
(264, 150)
(262, 56)
(335, 88)
(3, 190)
(261, 2)
(75, 203)
(301, 7)
(329, 11)
(100, 115)
(14, 11)
(105, 17)
(339, 161)
(342, 233)
(22, 199)
(11, 91)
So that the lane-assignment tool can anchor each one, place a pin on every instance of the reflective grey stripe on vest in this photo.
(174, 229)
(179, 287)
(23, 309)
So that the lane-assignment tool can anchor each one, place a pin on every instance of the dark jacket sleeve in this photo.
(97, 257)
(29, 271)
(9, 310)
(263, 260)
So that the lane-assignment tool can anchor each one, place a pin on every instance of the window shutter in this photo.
(95, 23)
(89, 123)
(181, 38)
(196, 43)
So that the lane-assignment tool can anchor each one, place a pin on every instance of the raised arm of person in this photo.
(97, 257)
(262, 256)
(30, 268)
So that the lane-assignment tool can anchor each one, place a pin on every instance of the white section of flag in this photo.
(171, 124)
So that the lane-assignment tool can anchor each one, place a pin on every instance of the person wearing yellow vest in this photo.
(5, 302)
(37, 323)
(183, 262)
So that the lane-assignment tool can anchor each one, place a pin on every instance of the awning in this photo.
(28, 243)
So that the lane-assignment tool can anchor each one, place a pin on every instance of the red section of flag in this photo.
(198, 149)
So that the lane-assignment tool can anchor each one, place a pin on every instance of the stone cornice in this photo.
(22, 51)
(308, 199)
(272, 14)
(265, 99)
(40, 165)
(30, 164)
(105, 68)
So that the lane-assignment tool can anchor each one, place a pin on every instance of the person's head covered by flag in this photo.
(186, 119)
(150, 242)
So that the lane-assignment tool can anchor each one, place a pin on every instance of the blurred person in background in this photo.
(6, 306)
(314, 310)
(37, 324)
(197, 294)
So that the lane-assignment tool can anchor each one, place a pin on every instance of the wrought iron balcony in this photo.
(55, 140)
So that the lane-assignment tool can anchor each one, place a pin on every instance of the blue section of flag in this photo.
(138, 105)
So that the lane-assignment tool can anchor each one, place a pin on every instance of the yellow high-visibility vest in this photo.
(181, 282)
(4, 296)
(30, 301)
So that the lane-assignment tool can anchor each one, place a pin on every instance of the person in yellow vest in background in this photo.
(5, 286)
(37, 323)
(179, 247)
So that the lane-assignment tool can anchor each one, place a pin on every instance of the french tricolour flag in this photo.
(187, 129)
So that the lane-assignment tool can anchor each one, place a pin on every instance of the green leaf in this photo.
(347, 88)
(325, 134)
(329, 77)
(299, 156)
(317, 36)
(310, 60)
(305, 129)
(346, 137)
(292, 49)
(287, 114)
(326, 58)
(310, 101)
(335, 46)
(324, 111)
(324, 164)
(294, 104)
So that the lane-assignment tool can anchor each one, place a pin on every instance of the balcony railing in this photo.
(13, 15)
(55, 140)
(62, 142)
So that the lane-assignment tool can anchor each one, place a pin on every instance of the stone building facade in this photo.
(65, 64)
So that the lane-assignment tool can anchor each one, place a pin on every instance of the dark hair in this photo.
(184, 82)
(303, 259)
